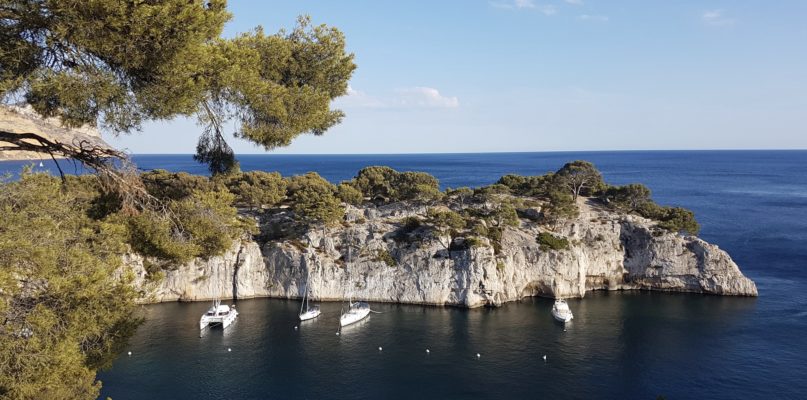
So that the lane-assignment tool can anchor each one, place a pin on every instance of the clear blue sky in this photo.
(531, 75)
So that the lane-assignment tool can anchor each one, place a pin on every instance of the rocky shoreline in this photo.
(367, 258)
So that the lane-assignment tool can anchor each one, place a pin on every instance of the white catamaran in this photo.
(355, 312)
(306, 310)
(218, 314)
(561, 311)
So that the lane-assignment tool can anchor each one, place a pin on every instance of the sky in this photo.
(444, 76)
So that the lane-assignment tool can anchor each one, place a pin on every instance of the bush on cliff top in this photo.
(313, 199)
(548, 241)
(389, 184)
(256, 189)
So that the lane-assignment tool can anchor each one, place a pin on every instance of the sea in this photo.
(620, 345)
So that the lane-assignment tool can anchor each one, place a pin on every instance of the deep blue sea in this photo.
(626, 345)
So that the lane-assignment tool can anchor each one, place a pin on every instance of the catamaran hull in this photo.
(223, 320)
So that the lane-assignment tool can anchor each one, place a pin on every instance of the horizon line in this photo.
(484, 152)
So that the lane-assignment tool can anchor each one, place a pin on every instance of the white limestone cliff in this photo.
(608, 251)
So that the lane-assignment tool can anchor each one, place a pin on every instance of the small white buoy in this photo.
(295, 327)
(130, 353)
(427, 351)
(380, 348)
(544, 357)
(478, 355)
(229, 349)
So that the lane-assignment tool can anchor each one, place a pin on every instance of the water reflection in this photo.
(619, 344)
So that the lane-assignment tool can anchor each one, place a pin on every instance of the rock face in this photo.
(368, 259)
(16, 119)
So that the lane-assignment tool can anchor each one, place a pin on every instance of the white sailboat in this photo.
(306, 310)
(218, 314)
(561, 311)
(355, 312)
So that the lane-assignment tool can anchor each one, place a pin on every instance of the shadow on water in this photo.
(636, 344)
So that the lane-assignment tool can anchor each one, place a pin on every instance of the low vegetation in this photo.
(548, 241)
(67, 303)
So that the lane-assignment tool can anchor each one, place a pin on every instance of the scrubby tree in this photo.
(491, 193)
(376, 181)
(504, 214)
(561, 207)
(579, 177)
(349, 194)
(630, 198)
(65, 306)
(166, 185)
(462, 194)
(392, 185)
(274, 87)
(418, 186)
(203, 224)
(516, 183)
(256, 189)
(313, 199)
(679, 220)
(117, 64)
(445, 223)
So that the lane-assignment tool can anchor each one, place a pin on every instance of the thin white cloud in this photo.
(716, 18)
(426, 97)
(574, 2)
(594, 18)
(525, 5)
(359, 99)
(548, 10)
(412, 97)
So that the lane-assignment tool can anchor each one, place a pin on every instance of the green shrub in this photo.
(445, 223)
(376, 181)
(203, 224)
(152, 234)
(561, 207)
(256, 189)
(396, 186)
(386, 257)
(628, 198)
(313, 199)
(495, 237)
(679, 220)
(489, 193)
(209, 221)
(166, 185)
(479, 229)
(66, 304)
(533, 186)
(418, 186)
(473, 241)
(548, 241)
(349, 194)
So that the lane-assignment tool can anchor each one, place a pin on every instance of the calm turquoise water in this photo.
(620, 345)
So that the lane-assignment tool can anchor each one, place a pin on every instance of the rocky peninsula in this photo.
(406, 252)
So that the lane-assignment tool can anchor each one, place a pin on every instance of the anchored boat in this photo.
(355, 312)
(561, 311)
(218, 314)
(306, 310)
